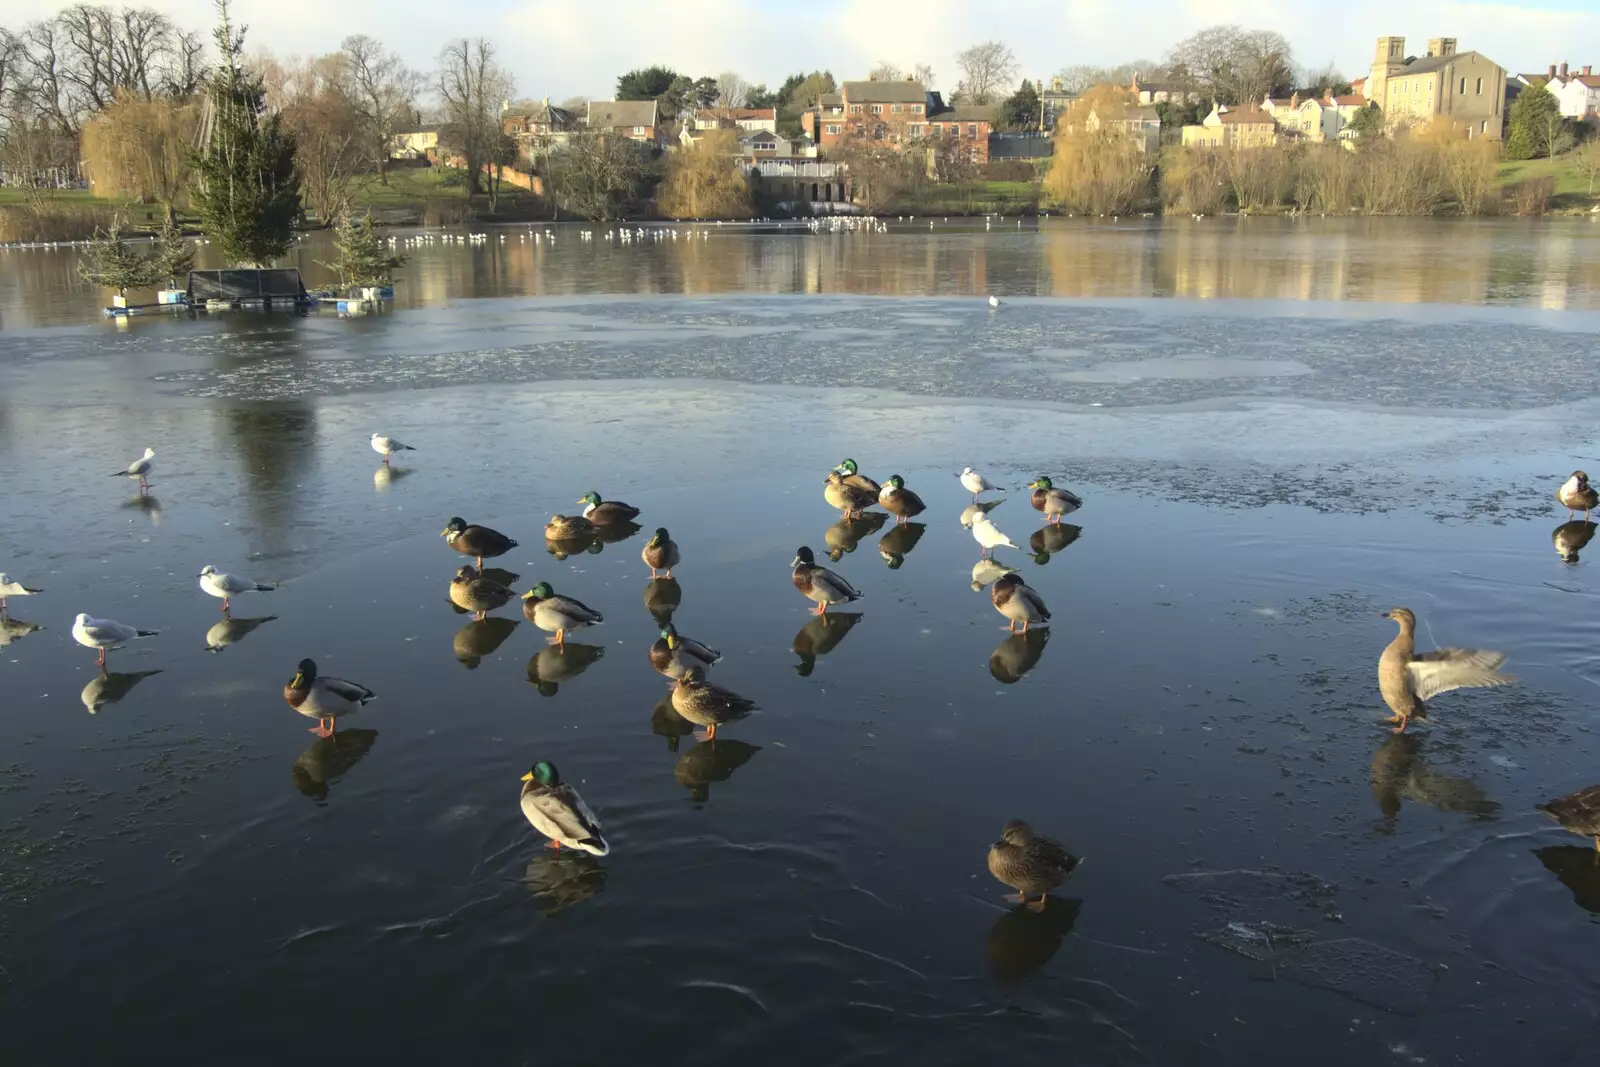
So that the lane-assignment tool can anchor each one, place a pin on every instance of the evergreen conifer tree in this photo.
(113, 262)
(364, 256)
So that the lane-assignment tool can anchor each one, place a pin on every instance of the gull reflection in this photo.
(1023, 940)
(666, 722)
(554, 664)
(1048, 540)
(148, 504)
(899, 541)
(562, 878)
(820, 636)
(110, 688)
(1401, 770)
(661, 598)
(1018, 654)
(982, 507)
(232, 631)
(384, 477)
(1578, 868)
(844, 535)
(481, 638)
(15, 629)
(711, 761)
(1570, 538)
(329, 759)
(985, 571)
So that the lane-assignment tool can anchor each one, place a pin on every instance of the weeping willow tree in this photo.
(246, 188)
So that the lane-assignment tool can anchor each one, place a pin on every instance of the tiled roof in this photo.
(966, 113)
(896, 92)
(737, 114)
(1352, 100)
(1590, 80)
(830, 100)
(1429, 64)
(610, 114)
(1245, 116)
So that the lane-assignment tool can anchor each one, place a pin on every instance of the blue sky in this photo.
(563, 48)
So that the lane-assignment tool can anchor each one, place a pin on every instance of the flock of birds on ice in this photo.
(1031, 863)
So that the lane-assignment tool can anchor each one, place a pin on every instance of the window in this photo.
(832, 129)
(877, 133)
(855, 109)
(638, 129)
(1480, 86)
(916, 109)
(972, 130)
(1483, 127)
(877, 109)
(895, 108)
(936, 130)
(1463, 87)
(915, 130)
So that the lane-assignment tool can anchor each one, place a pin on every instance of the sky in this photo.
(565, 48)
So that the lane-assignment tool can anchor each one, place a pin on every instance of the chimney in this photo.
(1587, 70)
(1552, 75)
(1563, 70)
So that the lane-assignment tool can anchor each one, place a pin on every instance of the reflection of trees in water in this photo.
(276, 448)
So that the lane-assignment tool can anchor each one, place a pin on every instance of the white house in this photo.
(1578, 94)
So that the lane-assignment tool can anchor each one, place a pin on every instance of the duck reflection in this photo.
(562, 878)
(612, 533)
(15, 629)
(384, 477)
(985, 571)
(1048, 540)
(110, 688)
(982, 507)
(329, 759)
(562, 547)
(1018, 654)
(481, 638)
(232, 631)
(555, 664)
(711, 761)
(899, 541)
(1570, 538)
(1401, 770)
(844, 535)
(1023, 940)
(666, 722)
(1578, 868)
(148, 504)
(820, 636)
(661, 598)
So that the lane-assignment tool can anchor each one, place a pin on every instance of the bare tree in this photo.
(317, 107)
(732, 90)
(186, 67)
(1587, 162)
(923, 73)
(987, 70)
(599, 177)
(472, 87)
(381, 92)
(1233, 65)
(885, 72)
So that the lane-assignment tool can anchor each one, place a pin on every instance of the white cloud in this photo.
(566, 47)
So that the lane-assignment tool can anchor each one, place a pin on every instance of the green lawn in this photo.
(408, 187)
(1572, 189)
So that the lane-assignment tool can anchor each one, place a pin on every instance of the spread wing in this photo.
(1445, 669)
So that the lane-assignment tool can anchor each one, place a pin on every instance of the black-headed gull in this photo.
(228, 586)
(988, 535)
(994, 301)
(975, 483)
(139, 468)
(10, 588)
(105, 634)
(386, 446)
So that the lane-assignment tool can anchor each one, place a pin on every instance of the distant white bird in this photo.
(988, 535)
(11, 588)
(386, 446)
(975, 483)
(994, 301)
(139, 468)
(105, 634)
(228, 586)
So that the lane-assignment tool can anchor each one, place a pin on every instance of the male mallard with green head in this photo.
(707, 705)
(675, 656)
(856, 479)
(606, 512)
(557, 614)
(1406, 677)
(660, 553)
(323, 699)
(555, 809)
(1052, 501)
(1030, 863)
(479, 542)
(568, 527)
(819, 583)
(850, 499)
(899, 501)
(471, 591)
(1018, 602)
(1576, 492)
(1578, 812)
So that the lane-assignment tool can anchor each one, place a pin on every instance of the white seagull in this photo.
(10, 588)
(975, 483)
(988, 535)
(139, 468)
(386, 446)
(228, 586)
(105, 634)
(994, 301)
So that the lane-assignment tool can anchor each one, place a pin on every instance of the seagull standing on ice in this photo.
(994, 301)
(385, 446)
(139, 468)
(228, 586)
(105, 634)
(10, 588)
(988, 535)
(975, 483)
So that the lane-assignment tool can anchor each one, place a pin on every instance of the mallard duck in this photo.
(989, 536)
(847, 498)
(139, 468)
(555, 809)
(386, 446)
(554, 664)
(1018, 602)
(1576, 492)
(660, 553)
(899, 501)
(557, 614)
(480, 542)
(819, 583)
(675, 656)
(1030, 863)
(604, 512)
(323, 699)
(1570, 538)
(568, 527)
(1052, 501)
(105, 634)
(707, 705)
(472, 592)
(855, 479)
(1578, 812)
(1406, 679)
(10, 588)
(228, 586)
(975, 483)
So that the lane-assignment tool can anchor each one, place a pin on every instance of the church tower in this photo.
(1389, 58)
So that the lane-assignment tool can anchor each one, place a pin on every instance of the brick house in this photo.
(746, 119)
(637, 120)
(897, 113)
(968, 124)
(537, 127)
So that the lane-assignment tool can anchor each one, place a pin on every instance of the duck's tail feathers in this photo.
(146, 633)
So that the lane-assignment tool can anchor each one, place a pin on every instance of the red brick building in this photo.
(897, 113)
